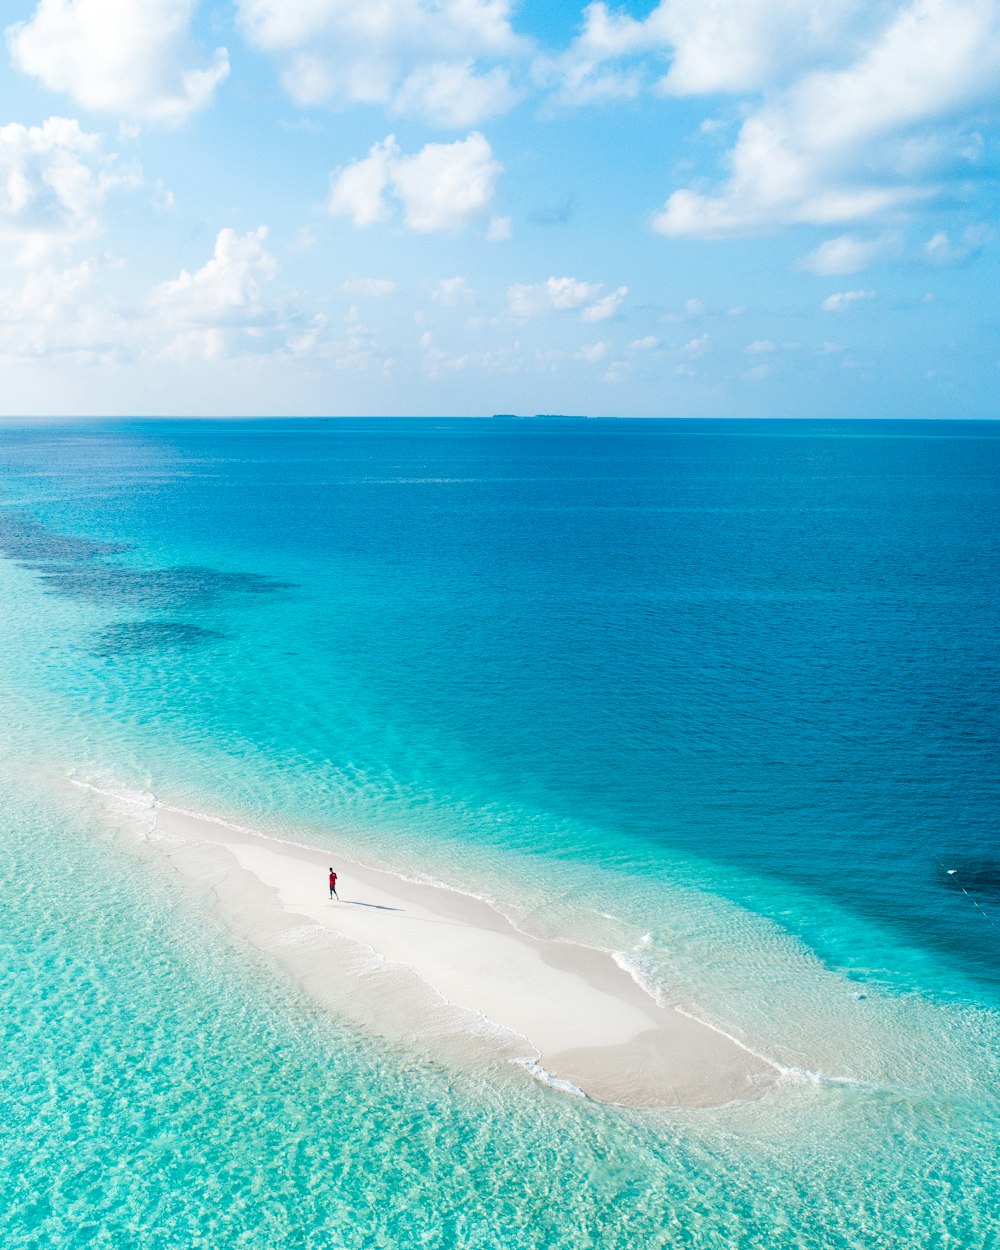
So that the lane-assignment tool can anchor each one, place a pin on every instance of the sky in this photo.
(692, 208)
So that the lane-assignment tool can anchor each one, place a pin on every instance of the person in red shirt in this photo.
(333, 886)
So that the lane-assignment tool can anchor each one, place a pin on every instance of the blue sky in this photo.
(683, 208)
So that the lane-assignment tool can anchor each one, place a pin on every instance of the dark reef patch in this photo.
(156, 589)
(135, 636)
(80, 568)
(23, 538)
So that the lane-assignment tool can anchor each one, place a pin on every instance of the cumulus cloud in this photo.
(354, 348)
(54, 179)
(760, 345)
(530, 300)
(851, 141)
(128, 57)
(645, 344)
(444, 186)
(593, 352)
(442, 60)
(451, 291)
(56, 313)
(688, 47)
(693, 308)
(359, 190)
(606, 306)
(696, 347)
(843, 254)
(562, 295)
(941, 249)
(217, 307)
(840, 301)
(455, 96)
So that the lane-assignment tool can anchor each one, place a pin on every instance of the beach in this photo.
(429, 963)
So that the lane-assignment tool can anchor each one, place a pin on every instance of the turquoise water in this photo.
(718, 696)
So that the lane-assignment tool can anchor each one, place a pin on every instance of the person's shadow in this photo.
(353, 902)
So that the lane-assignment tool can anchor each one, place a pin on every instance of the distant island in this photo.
(539, 416)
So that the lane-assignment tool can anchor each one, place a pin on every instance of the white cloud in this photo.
(375, 288)
(644, 344)
(758, 373)
(840, 301)
(844, 254)
(437, 59)
(54, 179)
(358, 190)
(452, 291)
(696, 347)
(454, 96)
(855, 141)
(590, 70)
(214, 310)
(129, 57)
(592, 352)
(355, 350)
(728, 45)
(562, 295)
(56, 314)
(760, 345)
(444, 186)
(605, 307)
(940, 250)
(693, 308)
(531, 300)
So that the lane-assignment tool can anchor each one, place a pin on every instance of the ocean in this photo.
(718, 696)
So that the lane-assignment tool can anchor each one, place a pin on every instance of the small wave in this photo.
(131, 798)
(535, 1069)
(806, 1076)
(138, 803)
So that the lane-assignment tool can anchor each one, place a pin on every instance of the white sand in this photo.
(449, 972)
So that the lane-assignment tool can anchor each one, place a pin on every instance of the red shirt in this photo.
(333, 880)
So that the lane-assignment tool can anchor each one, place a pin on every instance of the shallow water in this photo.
(717, 696)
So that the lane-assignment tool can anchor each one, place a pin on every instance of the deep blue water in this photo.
(754, 663)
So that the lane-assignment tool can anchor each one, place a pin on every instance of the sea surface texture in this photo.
(720, 697)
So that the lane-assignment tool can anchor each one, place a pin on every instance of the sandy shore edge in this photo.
(427, 964)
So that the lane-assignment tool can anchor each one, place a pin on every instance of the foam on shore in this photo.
(429, 964)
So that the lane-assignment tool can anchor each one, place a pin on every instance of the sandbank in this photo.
(447, 971)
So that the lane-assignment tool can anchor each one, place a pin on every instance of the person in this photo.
(333, 886)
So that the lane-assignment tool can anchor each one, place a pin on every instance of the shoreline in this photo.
(426, 964)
